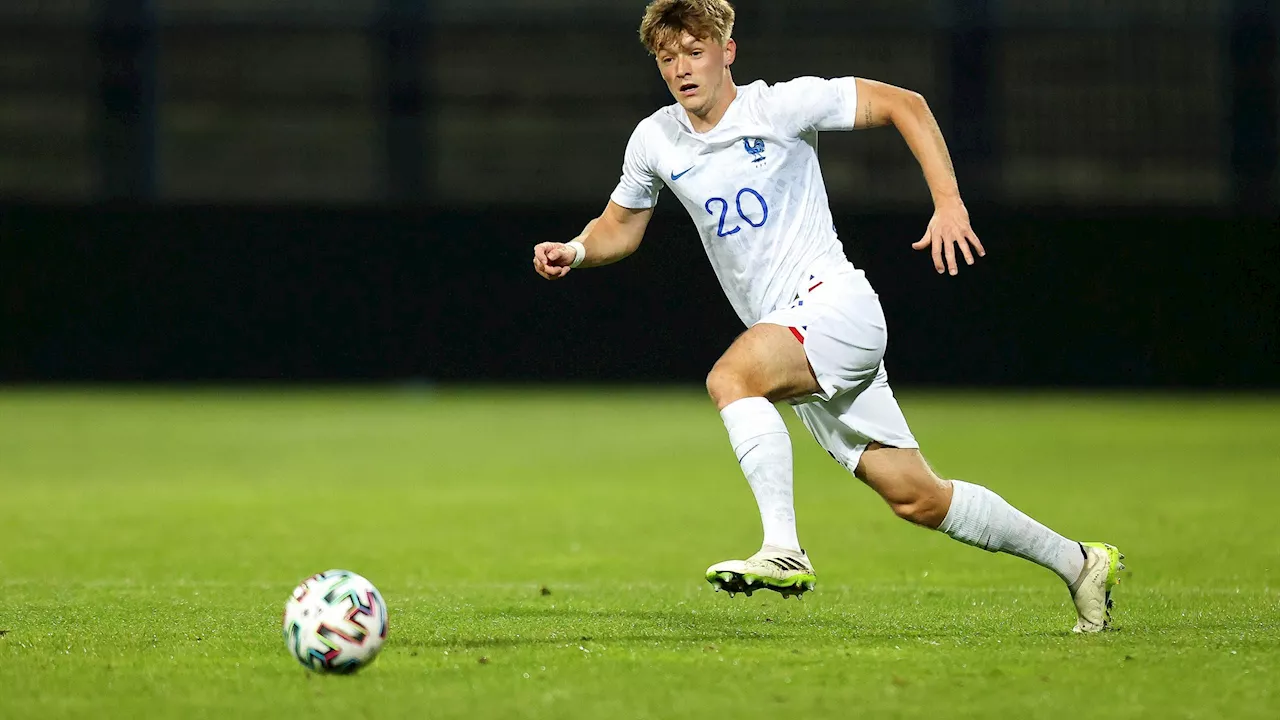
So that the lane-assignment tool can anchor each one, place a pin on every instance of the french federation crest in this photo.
(754, 148)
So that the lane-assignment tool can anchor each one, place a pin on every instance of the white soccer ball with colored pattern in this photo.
(335, 622)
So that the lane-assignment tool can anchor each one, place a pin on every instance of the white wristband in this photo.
(579, 253)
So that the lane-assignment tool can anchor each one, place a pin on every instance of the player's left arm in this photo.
(882, 104)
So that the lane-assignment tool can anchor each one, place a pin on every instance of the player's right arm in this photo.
(607, 239)
(619, 229)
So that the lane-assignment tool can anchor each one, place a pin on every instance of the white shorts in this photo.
(839, 321)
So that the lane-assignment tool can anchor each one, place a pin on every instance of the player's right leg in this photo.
(764, 364)
(769, 363)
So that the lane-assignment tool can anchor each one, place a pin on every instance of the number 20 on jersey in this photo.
(744, 214)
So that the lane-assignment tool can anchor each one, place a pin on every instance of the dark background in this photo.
(299, 191)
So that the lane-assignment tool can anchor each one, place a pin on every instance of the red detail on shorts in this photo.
(815, 287)
(797, 334)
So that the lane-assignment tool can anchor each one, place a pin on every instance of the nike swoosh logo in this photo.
(675, 177)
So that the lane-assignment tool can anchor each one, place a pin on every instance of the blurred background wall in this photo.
(349, 189)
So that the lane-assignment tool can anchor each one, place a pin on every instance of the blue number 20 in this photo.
(724, 210)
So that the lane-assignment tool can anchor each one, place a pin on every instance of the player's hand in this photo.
(551, 259)
(948, 230)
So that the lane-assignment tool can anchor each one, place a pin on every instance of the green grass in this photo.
(148, 541)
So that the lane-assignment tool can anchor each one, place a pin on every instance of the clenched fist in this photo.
(551, 260)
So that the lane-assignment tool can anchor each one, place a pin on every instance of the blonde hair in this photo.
(666, 20)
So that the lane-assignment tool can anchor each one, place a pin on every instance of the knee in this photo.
(725, 385)
(924, 503)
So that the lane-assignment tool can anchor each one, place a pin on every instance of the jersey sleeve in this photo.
(640, 184)
(807, 104)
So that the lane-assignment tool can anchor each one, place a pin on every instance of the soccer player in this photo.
(742, 161)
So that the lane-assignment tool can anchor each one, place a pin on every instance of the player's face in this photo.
(695, 72)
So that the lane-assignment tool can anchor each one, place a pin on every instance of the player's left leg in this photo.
(966, 512)
(863, 428)
(977, 516)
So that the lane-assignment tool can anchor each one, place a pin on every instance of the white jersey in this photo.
(752, 185)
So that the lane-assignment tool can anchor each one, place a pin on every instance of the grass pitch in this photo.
(542, 556)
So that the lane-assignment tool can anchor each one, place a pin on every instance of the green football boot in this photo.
(1092, 590)
(787, 572)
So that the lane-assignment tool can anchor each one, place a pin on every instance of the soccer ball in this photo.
(335, 622)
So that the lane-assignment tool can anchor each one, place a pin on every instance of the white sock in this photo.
(983, 519)
(763, 447)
